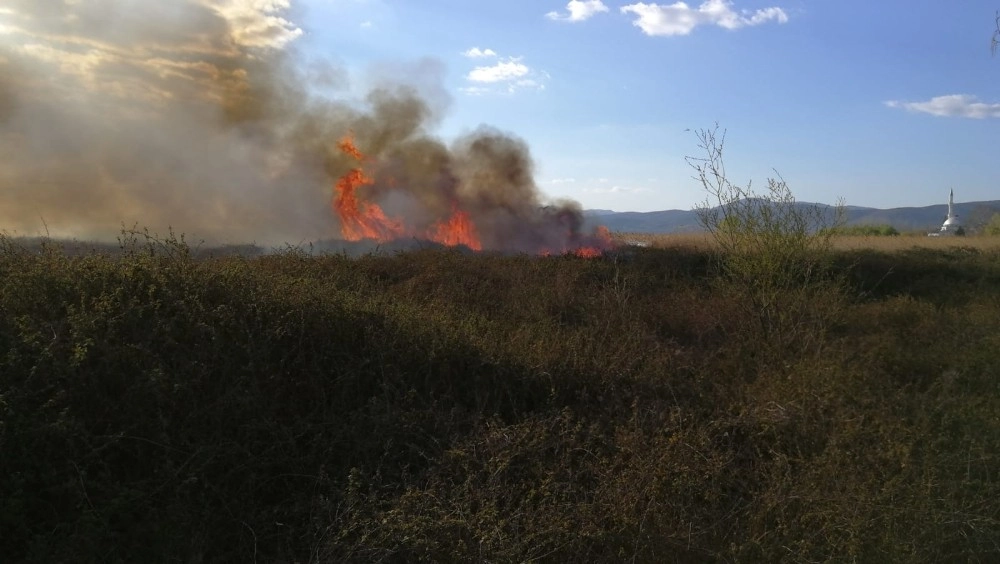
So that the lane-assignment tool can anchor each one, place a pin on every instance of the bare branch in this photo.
(996, 35)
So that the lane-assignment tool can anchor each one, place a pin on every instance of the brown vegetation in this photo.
(445, 406)
(704, 241)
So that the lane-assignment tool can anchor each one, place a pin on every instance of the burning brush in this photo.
(541, 230)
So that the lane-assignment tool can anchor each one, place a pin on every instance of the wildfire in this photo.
(365, 220)
(456, 230)
(362, 219)
(602, 241)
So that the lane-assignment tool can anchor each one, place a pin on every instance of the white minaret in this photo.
(952, 225)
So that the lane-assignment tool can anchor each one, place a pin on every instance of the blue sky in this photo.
(884, 104)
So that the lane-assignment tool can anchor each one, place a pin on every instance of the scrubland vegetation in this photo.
(878, 243)
(445, 406)
(866, 231)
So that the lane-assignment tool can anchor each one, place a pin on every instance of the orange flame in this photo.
(366, 220)
(456, 230)
(360, 220)
(596, 245)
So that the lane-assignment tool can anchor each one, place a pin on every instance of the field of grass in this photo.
(876, 243)
(453, 407)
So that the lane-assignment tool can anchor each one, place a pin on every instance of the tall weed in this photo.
(773, 253)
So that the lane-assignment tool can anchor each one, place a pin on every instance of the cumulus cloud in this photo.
(500, 72)
(952, 105)
(579, 10)
(508, 75)
(681, 19)
(477, 53)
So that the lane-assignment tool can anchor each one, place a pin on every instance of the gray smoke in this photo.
(197, 115)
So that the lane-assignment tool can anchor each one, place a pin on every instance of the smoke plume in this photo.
(197, 115)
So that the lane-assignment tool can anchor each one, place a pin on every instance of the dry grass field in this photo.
(703, 241)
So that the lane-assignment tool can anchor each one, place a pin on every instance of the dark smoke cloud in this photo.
(197, 115)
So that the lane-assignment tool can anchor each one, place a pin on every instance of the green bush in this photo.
(993, 226)
(773, 253)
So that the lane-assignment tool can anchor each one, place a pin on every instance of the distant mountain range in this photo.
(927, 218)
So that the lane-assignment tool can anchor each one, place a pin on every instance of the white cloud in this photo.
(501, 72)
(952, 105)
(562, 181)
(579, 10)
(681, 19)
(477, 53)
(508, 75)
(367, 24)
